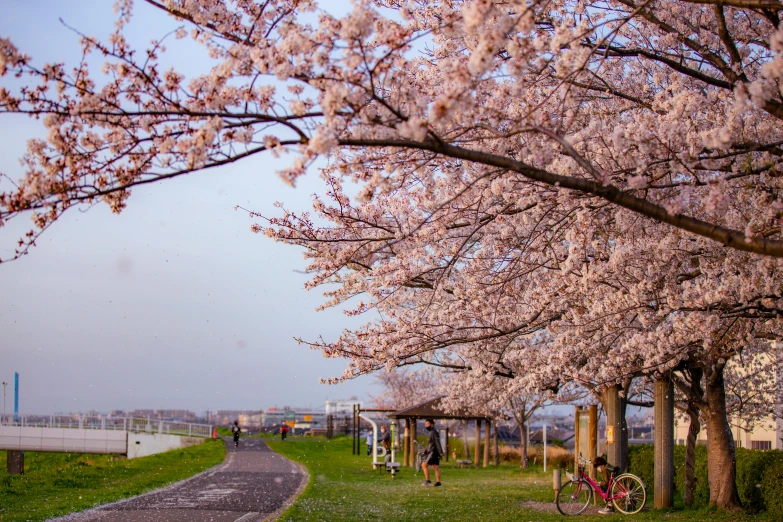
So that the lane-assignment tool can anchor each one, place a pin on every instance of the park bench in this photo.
(393, 468)
(464, 463)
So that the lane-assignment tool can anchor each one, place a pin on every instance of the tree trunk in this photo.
(465, 439)
(495, 444)
(664, 443)
(614, 406)
(624, 435)
(690, 454)
(523, 463)
(721, 459)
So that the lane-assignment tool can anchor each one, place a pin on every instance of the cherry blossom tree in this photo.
(403, 388)
(669, 109)
(546, 190)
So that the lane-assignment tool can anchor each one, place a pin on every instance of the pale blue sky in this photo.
(173, 303)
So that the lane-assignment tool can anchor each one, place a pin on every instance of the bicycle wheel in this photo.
(418, 462)
(629, 494)
(573, 497)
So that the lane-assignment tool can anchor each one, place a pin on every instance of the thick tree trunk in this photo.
(690, 454)
(614, 406)
(664, 443)
(721, 460)
(523, 463)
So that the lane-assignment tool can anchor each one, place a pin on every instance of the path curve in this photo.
(253, 484)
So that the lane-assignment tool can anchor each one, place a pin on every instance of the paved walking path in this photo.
(253, 484)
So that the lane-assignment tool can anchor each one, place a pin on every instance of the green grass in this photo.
(60, 483)
(344, 487)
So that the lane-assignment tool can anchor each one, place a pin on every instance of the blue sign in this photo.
(16, 396)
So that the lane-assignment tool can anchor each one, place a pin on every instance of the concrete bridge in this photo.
(130, 436)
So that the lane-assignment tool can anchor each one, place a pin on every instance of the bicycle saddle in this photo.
(613, 469)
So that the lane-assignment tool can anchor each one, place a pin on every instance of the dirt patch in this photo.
(550, 507)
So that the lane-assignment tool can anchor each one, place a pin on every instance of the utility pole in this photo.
(3, 419)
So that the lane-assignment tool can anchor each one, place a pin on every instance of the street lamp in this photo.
(3, 419)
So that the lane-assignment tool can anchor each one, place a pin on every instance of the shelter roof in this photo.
(433, 409)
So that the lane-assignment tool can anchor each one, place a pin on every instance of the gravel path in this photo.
(253, 484)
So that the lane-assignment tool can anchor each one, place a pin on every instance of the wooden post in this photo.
(477, 444)
(577, 420)
(406, 444)
(486, 443)
(495, 444)
(353, 430)
(413, 441)
(15, 462)
(592, 429)
(664, 443)
(446, 449)
(614, 427)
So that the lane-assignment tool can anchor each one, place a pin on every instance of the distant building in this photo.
(169, 415)
(766, 435)
(226, 417)
(341, 407)
(298, 419)
(250, 420)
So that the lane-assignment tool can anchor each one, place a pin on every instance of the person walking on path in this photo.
(432, 454)
(283, 431)
(235, 430)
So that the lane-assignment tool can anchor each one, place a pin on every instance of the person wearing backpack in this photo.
(236, 430)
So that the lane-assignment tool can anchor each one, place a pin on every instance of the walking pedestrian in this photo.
(235, 430)
(283, 431)
(432, 454)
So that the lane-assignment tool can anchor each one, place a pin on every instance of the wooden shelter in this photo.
(433, 409)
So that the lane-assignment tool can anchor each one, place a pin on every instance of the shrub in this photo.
(759, 475)
(751, 465)
(701, 488)
(641, 461)
(771, 478)
(556, 457)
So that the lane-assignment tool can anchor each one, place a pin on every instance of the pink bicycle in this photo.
(626, 491)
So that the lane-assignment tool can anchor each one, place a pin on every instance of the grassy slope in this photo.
(344, 487)
(60, 483)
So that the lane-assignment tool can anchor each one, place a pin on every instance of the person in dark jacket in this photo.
(385, 439)
(432, 454)
(236, 430)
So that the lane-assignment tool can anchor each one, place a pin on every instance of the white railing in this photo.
(106, 422)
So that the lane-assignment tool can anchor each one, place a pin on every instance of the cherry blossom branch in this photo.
(723, 235)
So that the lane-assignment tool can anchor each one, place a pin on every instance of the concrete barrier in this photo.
(143, 444)
(23, 438)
